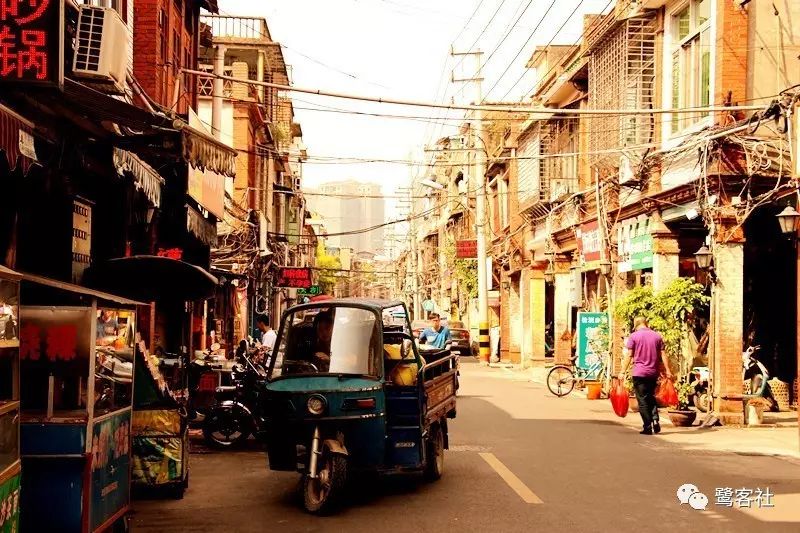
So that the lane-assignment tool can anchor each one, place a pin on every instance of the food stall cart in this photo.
(9, 400)
(171, 329)
(76, 362)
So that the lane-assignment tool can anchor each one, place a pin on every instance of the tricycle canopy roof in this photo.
(371, 304)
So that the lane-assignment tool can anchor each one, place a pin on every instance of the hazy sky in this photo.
(400, 49)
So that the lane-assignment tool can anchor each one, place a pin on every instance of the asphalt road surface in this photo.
(520, 460)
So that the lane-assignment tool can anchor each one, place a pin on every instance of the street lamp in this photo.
(703, 256)
(789, 219)
(605, 267)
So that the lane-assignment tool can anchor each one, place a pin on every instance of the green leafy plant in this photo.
(328, 269)
(670, 312)
(685, 390)
(465, 271)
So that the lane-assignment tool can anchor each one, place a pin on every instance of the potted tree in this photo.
(683, 415)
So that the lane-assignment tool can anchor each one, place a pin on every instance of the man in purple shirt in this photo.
(646, 347)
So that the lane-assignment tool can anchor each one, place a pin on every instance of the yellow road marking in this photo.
(512, 480)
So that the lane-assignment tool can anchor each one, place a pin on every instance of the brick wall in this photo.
(731, 53)
(156, 50)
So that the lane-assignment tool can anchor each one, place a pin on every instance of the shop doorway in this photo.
(770, 294)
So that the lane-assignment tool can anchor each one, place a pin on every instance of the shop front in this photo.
(10, 465)
(77, 357)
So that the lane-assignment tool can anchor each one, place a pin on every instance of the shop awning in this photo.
(77, 289)
(144, 176)
(153, 278)
(204, 152)
(10, 127)
(7, 273)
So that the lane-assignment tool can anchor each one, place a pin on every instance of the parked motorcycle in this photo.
(698, 380)
(237, 414)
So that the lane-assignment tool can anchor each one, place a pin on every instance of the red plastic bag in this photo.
(666, 394)
(619, 398)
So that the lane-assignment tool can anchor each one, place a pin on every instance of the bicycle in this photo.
(561, 379)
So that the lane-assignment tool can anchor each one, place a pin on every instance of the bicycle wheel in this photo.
(560, 380)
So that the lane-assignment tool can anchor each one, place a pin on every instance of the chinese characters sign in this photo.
(294, 277)
(32, 42)
(589, 245)
(635, 245)
(54, 335)
(591, 346)
(467, 249)
(314, 290)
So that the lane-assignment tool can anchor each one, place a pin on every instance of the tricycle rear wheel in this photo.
(323, 494)
(434, 466)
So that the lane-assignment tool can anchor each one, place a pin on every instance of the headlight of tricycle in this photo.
(316, 405)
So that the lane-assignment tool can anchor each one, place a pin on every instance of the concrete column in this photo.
(727, 303)
(562, 310)
(260, 75)
(218, 89)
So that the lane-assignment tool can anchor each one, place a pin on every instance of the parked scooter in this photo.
(237, 414)
(698, 380)
(758, 376)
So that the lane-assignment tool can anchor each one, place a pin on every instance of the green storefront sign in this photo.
(590, 342)
(641, 252)
(9, 505)
(314, 290)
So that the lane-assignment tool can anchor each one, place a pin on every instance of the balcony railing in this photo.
(237, 28)
(205, 84)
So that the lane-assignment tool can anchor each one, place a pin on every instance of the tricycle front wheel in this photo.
(434, 467)
(321, 495)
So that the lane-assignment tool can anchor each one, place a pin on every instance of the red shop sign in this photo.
(32, 42)
(467, 249)
(294, 277)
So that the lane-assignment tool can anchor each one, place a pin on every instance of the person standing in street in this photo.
(268, 335)
(437, 335)
(645, 348)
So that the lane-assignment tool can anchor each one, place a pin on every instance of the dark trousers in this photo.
(645, 394)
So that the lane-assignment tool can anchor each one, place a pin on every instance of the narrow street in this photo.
(520, 459)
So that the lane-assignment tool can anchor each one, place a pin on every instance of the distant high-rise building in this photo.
(351, 206)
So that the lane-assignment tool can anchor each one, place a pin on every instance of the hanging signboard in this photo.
(590, 343)
(467, 249)
(294, 278)
(635, 245)
(589, 240)
(32, 42)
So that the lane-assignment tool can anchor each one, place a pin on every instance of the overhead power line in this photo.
(488, 108)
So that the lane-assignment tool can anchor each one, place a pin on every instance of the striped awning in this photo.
(11, 125)
(144, 176)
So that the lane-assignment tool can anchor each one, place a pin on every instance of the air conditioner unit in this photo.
(101, 48)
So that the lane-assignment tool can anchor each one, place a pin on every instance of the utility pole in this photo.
(479, 147)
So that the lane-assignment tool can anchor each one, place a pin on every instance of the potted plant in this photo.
(683, 415)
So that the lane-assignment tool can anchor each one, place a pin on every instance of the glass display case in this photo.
(9, 399)
(76, 359)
